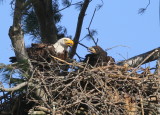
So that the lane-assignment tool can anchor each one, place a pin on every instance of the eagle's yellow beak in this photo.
(92, 50)
(69, 43)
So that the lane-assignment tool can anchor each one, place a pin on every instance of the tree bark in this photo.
(142, 58)
(17, 39)
(79, 27)
(158, 67)
(16, 33)
(45, 17)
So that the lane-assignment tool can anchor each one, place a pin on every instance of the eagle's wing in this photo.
(34, 45)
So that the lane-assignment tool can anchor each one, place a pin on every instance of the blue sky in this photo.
(117, 23)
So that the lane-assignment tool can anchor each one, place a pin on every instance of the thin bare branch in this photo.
(68, 6)
(83, 45)
(116, 46)
(142, 10)
(19, 86)
(89, 28)
(42, 109)
(66, 62)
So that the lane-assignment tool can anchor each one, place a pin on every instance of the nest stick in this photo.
(65, 61)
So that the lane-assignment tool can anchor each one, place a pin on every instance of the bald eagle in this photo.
(42, 52)
(98, 57)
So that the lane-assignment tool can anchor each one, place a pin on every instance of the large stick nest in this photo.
(84, 90)
(108, 89)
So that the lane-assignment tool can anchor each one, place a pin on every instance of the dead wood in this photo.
(142, 58)
(108, 89)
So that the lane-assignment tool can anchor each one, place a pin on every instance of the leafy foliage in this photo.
(99, 6)
(30, 25)
(12, 76)
(15, 73)
(57, 15)
(142, 10)
(62, 31)
(91, 34)
(79, 5)
(66, 2)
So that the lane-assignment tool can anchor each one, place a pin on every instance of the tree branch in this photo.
(72, 64)
(19, 86)
(42, 109)
(142, 58)
(142, 10)
(89, 32)
(79, 27)
(68, 6)
(27, 3)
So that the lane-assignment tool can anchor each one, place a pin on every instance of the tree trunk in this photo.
(16, 33)
(17, 39)
(45, 17)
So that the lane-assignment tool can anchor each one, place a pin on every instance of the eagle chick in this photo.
(98, 57)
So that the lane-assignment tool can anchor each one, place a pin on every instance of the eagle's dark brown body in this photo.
(40, 57)
(98, 58)
(39, 52)
(48, 56)
(42, 52)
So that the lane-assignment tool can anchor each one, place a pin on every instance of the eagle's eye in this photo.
(68, 42)
(65, 40)
(92, 50)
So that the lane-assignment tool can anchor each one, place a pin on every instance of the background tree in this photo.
(40, 19)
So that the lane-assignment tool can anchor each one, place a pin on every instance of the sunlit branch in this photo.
(19, 86)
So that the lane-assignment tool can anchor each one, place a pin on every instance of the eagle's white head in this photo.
(62, 44)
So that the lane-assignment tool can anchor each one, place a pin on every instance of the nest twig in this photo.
(106, 90)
